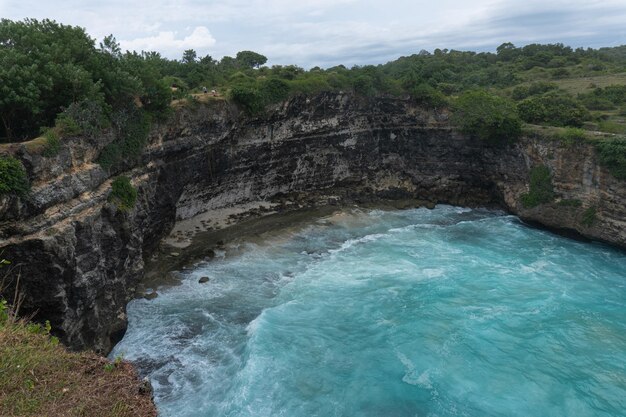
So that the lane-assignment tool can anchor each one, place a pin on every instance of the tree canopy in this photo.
(52, 73)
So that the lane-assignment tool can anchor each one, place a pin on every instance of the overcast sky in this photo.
(330, 32)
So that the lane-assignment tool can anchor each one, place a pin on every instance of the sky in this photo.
(330, 32)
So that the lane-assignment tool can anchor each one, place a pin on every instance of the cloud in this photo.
(200, 39)
(329, 32)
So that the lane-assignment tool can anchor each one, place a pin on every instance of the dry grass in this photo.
(39, 377)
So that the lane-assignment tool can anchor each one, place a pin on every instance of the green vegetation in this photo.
(541, 190)
(570, 203)
(555, 109)
(589, 217)
(489, 117)
(13, 179)
(571, 135)
(55, 76)
(53, 143)
(132, 127)
(612, 155)
(40, 377)
(123, 194)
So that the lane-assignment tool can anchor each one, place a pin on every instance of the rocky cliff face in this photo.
(81, 258)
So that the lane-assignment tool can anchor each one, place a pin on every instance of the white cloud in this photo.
(328, 32)
(200, 39)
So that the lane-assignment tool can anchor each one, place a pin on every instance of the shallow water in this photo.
(445, 312)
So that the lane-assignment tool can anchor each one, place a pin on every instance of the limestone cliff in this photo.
(81, 258)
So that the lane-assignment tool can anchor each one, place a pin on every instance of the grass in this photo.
(39, 377)
(578, 85)
(612, 126)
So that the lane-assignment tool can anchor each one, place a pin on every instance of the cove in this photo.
(443, 312)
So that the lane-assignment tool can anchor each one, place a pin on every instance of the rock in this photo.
(96, 255)
(151, 296)
(202, 280)
(145, 387)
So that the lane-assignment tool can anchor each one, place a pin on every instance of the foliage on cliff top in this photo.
(13, 177)
(612, 155)
(40, 377)
(489, 117)
(48, 68)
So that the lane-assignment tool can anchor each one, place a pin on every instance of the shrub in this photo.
(86, 117)
(521, 92)
(274, 90)
(123, 194)
(612, 155)
(363, 85)
(541, 190)
(53, 143)
(428, 96)
(553, 109)
(13, 179)
(156, 98)
(247, 97)
(589, 217)
(593, 102)
(133, 127)
(489, 117)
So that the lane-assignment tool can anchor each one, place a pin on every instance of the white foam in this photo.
(411, 376)
(352, 242)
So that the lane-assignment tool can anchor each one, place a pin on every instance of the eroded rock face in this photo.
(81, 258)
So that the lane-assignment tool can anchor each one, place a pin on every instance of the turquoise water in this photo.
(445, 312)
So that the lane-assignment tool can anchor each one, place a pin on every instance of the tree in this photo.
(489, 117)
(249, 59)
(44, 66)
(189, 56)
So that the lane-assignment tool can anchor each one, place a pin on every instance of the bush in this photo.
(489, 117)
(53, 143)
(428, 96)
(553, 109)
(541, 190)
(133, 127)
(123, 194)
(274, 90)
(593, 102)
(86, 117)
(13, 179)
(156, 98)
(521, 92)
(612, 156)
(589, 217)
(247, 97)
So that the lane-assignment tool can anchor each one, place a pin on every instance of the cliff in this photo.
(81, 258)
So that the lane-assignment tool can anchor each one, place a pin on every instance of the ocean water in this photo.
(444, 312)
